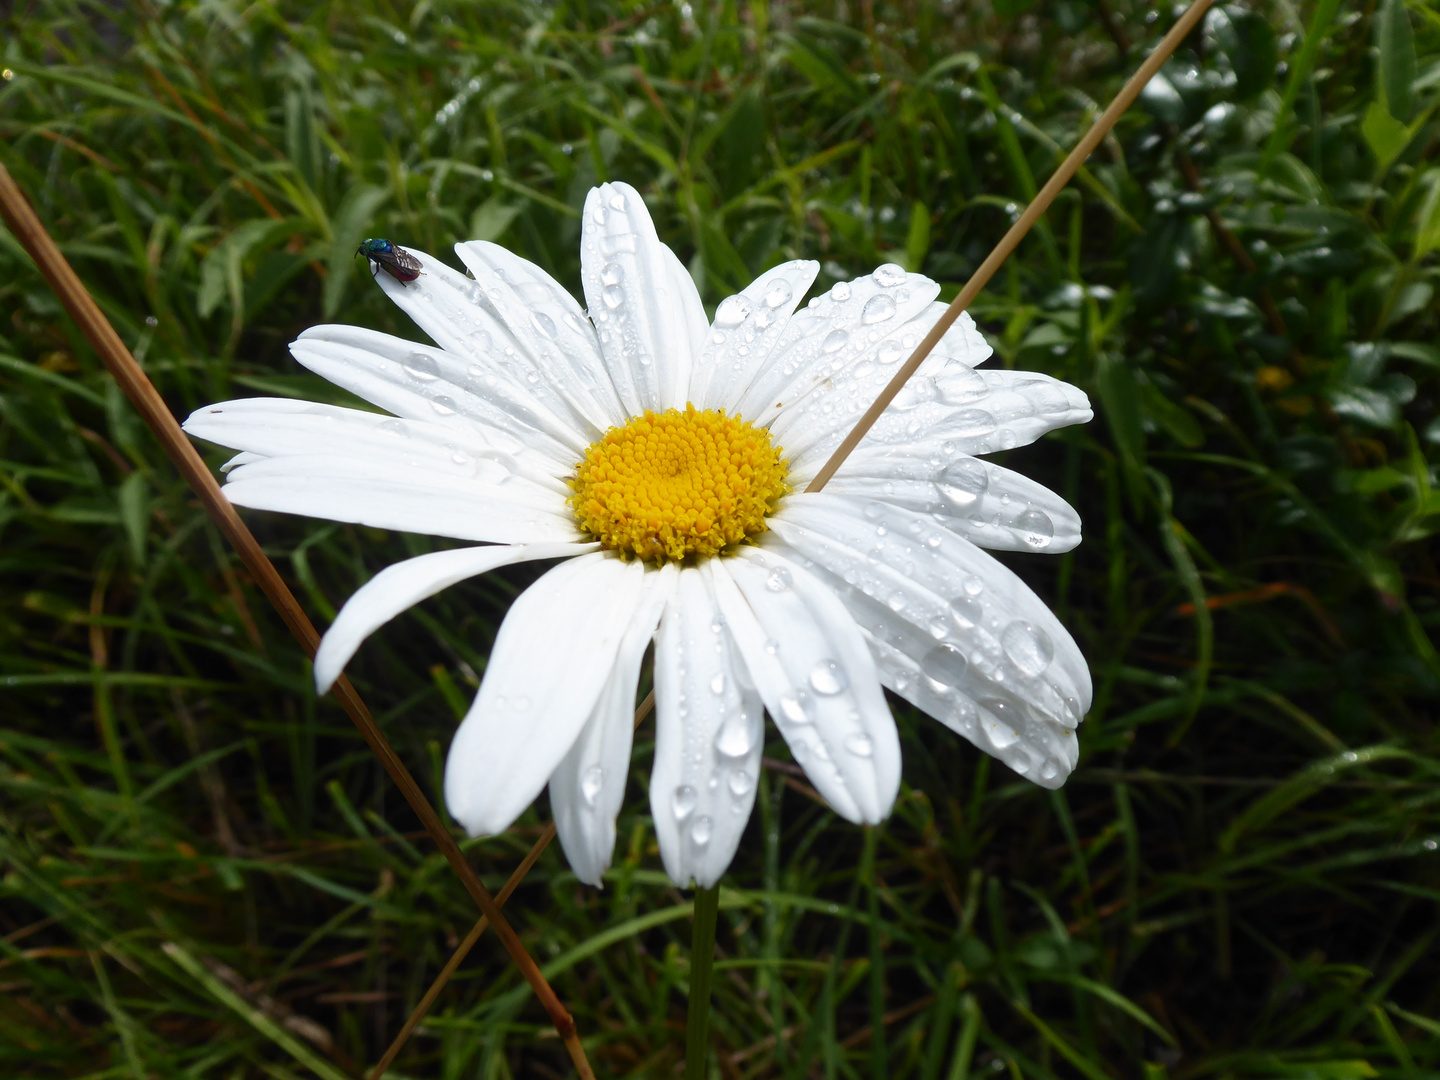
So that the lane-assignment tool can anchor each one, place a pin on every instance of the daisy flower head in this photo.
(663, 457)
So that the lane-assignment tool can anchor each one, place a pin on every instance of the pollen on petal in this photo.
(668, 485)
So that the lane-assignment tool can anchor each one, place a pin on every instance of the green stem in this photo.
(702, 960)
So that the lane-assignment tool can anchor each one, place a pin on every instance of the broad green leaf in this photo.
(1395, 72)
(492, 218)
(1427, 223)
(1385, 135)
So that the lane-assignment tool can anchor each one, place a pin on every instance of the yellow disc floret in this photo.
(669, 484)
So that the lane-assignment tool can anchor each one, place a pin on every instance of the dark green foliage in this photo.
(206, 874)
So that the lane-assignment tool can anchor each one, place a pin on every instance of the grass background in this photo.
(206, 875)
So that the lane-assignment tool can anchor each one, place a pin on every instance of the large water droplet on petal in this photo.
(969, 609)
(841, 291)
(590, 784)
(611, 273)
(859, 745)
(700, 831)
(1028, 647)
(877, 309)
(964, 482)
(617, 201)
(779, 580)
(970, 423)
(732, 311)
(683, 801)
(717, 684)
(796, 707)
(444, 406)
(961, 385)
(740, 783)
(889, 275)
(544, 324)
(613, 296)
(945, 664)
(828, 678)
(778, 294)
(835, 341)
(422, 366)
(736, 736)
(1035, 528)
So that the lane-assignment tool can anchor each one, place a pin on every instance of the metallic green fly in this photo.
(392, 258)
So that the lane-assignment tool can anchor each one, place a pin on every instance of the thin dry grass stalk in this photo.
(987, 269)
(137, 387)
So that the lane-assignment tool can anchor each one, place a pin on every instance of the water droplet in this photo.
(835, 341)
(598, 214)
(683, 801)
(945, 664)
(890, 352)
(896, 600)
(778, 294)
(544, 323)
(700, 831)
(779, 580)
(717, 684)
(1035, 528)
(772, 647)
(422, 366)
(740, 783)
(1049, 771)
(973, 586)
(969, 423)
(732, 311)
(969, 609)
(961, 384)
(796, 707)
(395, 427)
(1028, 647)
(736, 736)
(939, 626)
(964, 482)
(613, 296)
(841, 291)
(877, 309)
(873, 511)
(828, 678)
(444, 406)
(617, 201)
(889, 275)
(591, 783)
(859, 745)
(611, 274)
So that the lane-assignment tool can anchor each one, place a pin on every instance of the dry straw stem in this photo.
(1011, 240)
(26, 226)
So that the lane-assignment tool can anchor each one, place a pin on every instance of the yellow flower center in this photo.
(665, 485)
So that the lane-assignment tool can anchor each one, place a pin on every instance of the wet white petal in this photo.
(397, 495)
(420, 382)
(404, 585)
(836, 331)
(980, 651)
(988, 504)
(551, 329)
(708, 736)
(815, 674)
(465, 322)
(588, 786)
(281, 427)
(746, 330)
(553, 655)
(977, 412)
(643, 302)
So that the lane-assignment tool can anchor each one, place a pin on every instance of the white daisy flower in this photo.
(663, 457)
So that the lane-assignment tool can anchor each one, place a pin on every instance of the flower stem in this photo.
(702, 959)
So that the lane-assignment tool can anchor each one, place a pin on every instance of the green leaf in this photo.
(1427, 222)
(492, 218)
(917, 240)
(1385, 135)
(1395, 71)
(351, 220)
(135, 514)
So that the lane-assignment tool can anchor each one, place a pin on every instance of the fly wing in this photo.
(406, 266)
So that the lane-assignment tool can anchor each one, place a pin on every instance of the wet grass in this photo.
(205, 872)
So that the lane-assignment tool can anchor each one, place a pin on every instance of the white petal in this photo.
(420, 382)
(975, 412)
(588, 786)
(396, 495)
(404, 585)
(279, 427)
(553, 655)
(988, 504)
(550, 328)
(747, 327)
(997, 665)
(643, 302)
(460, 316)
(709, 727)
(841, 329)
(814, 671)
